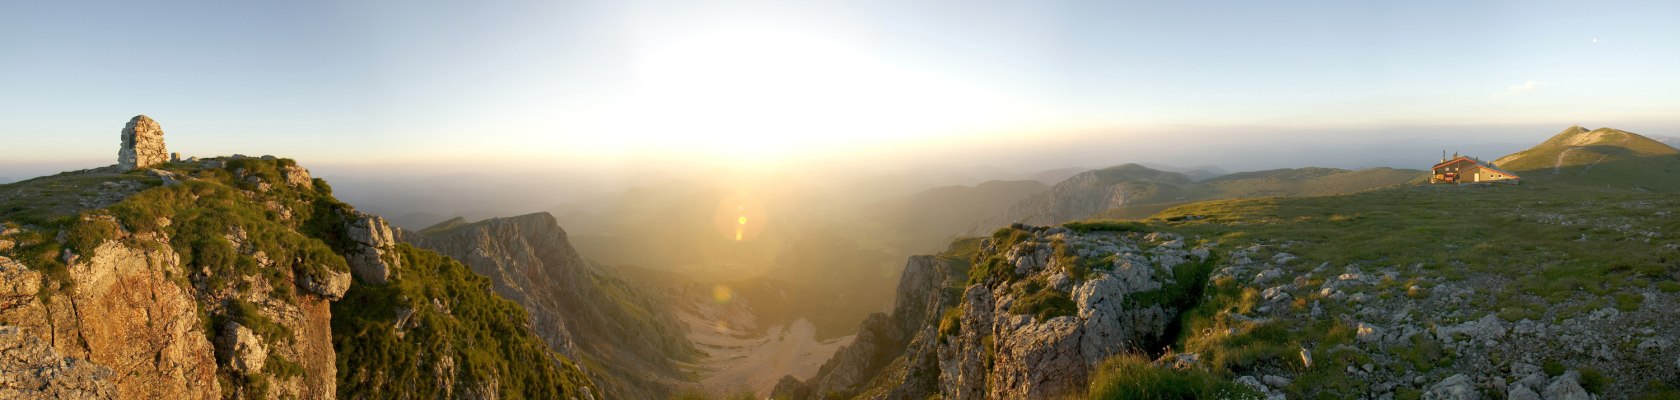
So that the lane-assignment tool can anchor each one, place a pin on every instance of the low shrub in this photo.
(1131, 376)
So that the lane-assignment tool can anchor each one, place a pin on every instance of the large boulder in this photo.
(1456, 387)
(373, 255)
(245, 351)
(1566, 387)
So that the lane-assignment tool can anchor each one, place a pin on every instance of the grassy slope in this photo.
(456, 317)
(1279, 182)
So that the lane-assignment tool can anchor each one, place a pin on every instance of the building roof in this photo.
(1478, 163)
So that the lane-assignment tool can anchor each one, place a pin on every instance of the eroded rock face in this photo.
(374, 257)
(136, 320)
(142, 144)
(33, 370)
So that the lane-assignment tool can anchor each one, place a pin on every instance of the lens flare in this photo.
(722, 294)
(740, 217)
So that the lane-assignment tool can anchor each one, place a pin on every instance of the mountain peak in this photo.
(1603, 156)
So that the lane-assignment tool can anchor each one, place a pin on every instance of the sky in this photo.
(768, 84)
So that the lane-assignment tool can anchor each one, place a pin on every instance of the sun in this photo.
(757, 92)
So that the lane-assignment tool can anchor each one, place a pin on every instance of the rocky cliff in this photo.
(229, 279)
(1027, 313)
(583, 311)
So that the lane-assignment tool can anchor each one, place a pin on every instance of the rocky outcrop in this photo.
(296, 176)
(33, 370)
(372, 254)
(142, 144)
(583, 312)
(246, 352)
(221, 284)
(1031, 323)
(1001, 349)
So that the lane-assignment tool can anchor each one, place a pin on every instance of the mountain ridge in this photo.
(1603, 157)
(583, 311)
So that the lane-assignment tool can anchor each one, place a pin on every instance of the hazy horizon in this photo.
(585, 86)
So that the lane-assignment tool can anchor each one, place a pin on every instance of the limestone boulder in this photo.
(1456, 387)
(244, 350)
(374, 254)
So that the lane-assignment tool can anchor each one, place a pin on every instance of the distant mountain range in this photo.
(1136, 191)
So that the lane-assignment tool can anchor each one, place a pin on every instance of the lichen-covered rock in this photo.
(1456, 387)
(1566, 387)
(33, 370)
(373, 255)
(296, 176)
(142, 144)
(19, 287)
(1489, 327)
(330, 285)
(245, 351)
(1520, 392)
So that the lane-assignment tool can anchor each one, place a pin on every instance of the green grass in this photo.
(486, 335)
(994, 266)
(950, 324)
(1130, 376)
(1106, 226)
(1043, 303)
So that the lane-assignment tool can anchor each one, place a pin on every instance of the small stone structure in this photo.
(142, 144)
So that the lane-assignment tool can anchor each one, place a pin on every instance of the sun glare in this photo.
(756, 93)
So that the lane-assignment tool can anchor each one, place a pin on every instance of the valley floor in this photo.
(741, 357)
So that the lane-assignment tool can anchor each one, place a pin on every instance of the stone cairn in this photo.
(142, 144)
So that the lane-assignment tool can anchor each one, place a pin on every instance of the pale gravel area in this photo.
(740, 356)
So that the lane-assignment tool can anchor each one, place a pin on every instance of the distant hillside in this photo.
(1136, 191)
(1603, 157)
(1309, 181)
(928, 220)
(1094, 191)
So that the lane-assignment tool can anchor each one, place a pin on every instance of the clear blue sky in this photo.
(366, 81)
